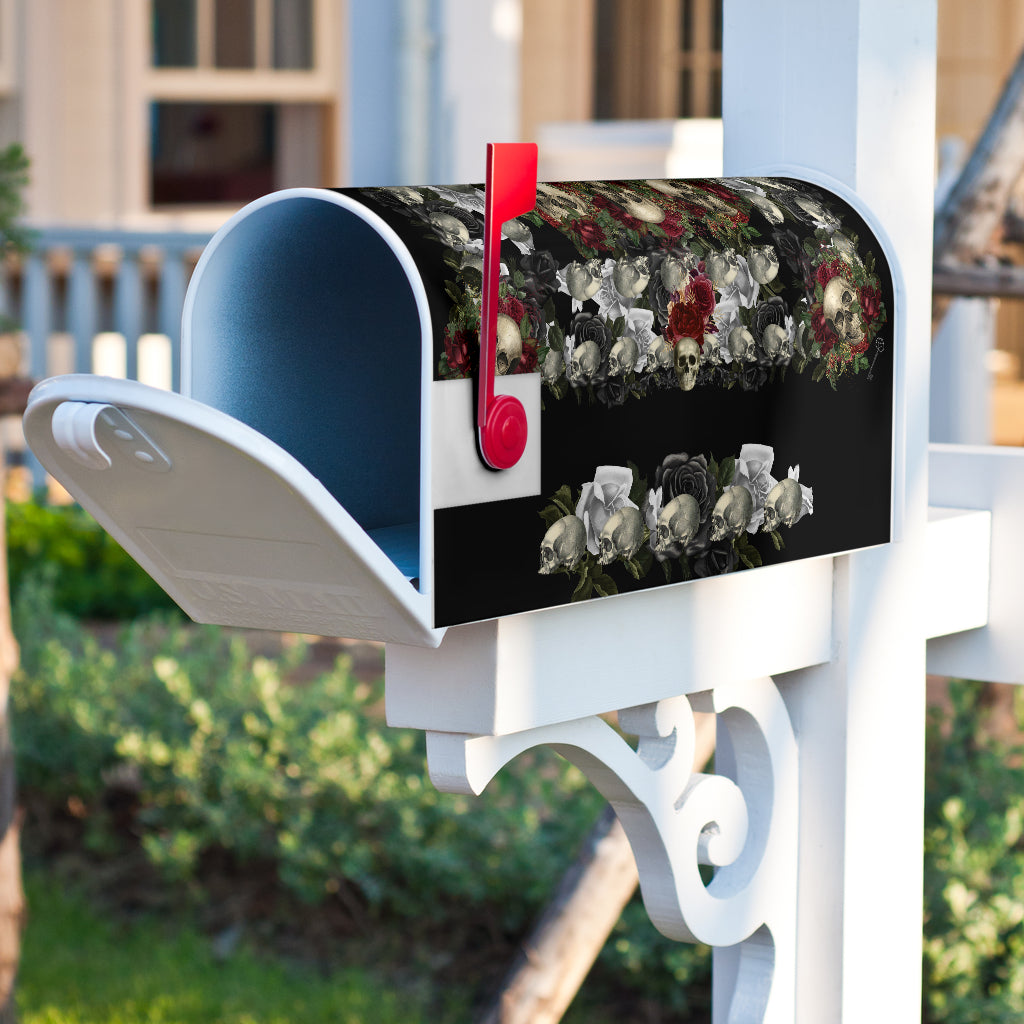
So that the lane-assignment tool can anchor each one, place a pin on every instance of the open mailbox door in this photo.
(702, 373)
(228, 523)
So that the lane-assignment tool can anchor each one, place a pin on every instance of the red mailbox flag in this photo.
(511, 191)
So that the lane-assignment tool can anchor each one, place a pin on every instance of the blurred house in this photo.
(148, 118)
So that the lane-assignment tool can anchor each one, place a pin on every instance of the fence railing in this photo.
(101, 301)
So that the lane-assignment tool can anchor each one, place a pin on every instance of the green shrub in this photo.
(974, 868)
(93, 577)
(229, 756)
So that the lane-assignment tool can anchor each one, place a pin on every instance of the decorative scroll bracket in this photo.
(743, 822)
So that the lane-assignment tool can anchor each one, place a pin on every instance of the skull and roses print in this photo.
(715, 359)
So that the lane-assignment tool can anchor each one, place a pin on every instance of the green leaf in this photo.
(524, 328)
(645, 559)
(556, 339)
(563, 498)
(452, 292)
(550, 312)
(604, 584)
(726, 471)
(666, 568)
(777, 540)
(618, 326)
(518, 279)
(632, 567)
(638, 492)
(551, 514)
(584, 588)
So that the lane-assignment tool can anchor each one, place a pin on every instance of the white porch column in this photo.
(848, 88)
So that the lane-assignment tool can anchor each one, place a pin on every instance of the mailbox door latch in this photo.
(94, 434)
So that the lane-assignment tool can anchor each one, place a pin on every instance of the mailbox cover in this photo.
(706, 367)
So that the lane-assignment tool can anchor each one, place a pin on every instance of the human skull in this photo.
(622, 535)
(836, 306)
(771, 212)
(586, 360)
(453, 232)
(516, 231)
(407, 195)
(659, 355)
(623, 356)
(722, 268)
(510, 345)
(554, 364)
(741, 344)
(783, 504)
(563, 545)
(677, 524)
(630, 276)
(583, 279)
(731, 513)
(674, 273)
(763, 263)
(774, 341)
(710, 352)
(640, 207)
(687, 362)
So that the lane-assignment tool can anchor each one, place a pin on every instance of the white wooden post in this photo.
(848, 88)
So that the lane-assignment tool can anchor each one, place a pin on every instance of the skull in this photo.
(783, 504)
(722, 268)
(836, 305)
(674, 273)
(630, 276)
(586, 360)
(659, 355)
(677, 525)
(741, 344)
(622, 535)
(774, 341)
(623, 356)
(583, 279)
(710, 351)
(763, 263)
(640, 207)
(452, 231)
(563, 545)
(516, 231)
(687, 362)
(407, 195)
(510, 344)
(771, 212)
(554, 363)
(731, 513)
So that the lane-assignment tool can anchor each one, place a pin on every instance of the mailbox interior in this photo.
(306, 320)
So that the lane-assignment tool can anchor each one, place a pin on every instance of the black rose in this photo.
(590, 327)
(753, 377)
(790, 248)
(771, 311)
(681, 474)
(716, 560)
(540, 273)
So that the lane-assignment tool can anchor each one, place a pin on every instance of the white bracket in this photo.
(743, 822)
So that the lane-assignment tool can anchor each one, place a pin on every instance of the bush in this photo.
(226, 755)
(93, 577)
(974, 867)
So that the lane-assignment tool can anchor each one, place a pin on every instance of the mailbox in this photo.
(702, 370)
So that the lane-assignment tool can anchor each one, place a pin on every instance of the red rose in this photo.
(457, 349)
(672, 225)
(700, 292)
(618, 213)
(822, 331)
(511, 306)
(591, 234)
(870, 303)
(685, 321)
(528, 360)
(828, 269)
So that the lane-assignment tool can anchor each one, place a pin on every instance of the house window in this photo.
(658, 58)
(243, 98)
(233, 34)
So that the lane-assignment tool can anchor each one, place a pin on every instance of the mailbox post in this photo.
(236, 498)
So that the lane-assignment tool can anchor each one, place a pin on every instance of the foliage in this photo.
(974, 868)
(14, 237)
(226, 755)
(93, 576)
(78, 968)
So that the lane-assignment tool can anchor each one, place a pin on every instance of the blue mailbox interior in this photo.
(304, 326)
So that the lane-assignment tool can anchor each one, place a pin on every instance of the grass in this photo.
(78, 967)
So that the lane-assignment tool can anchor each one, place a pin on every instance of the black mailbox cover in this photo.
(707, 368)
